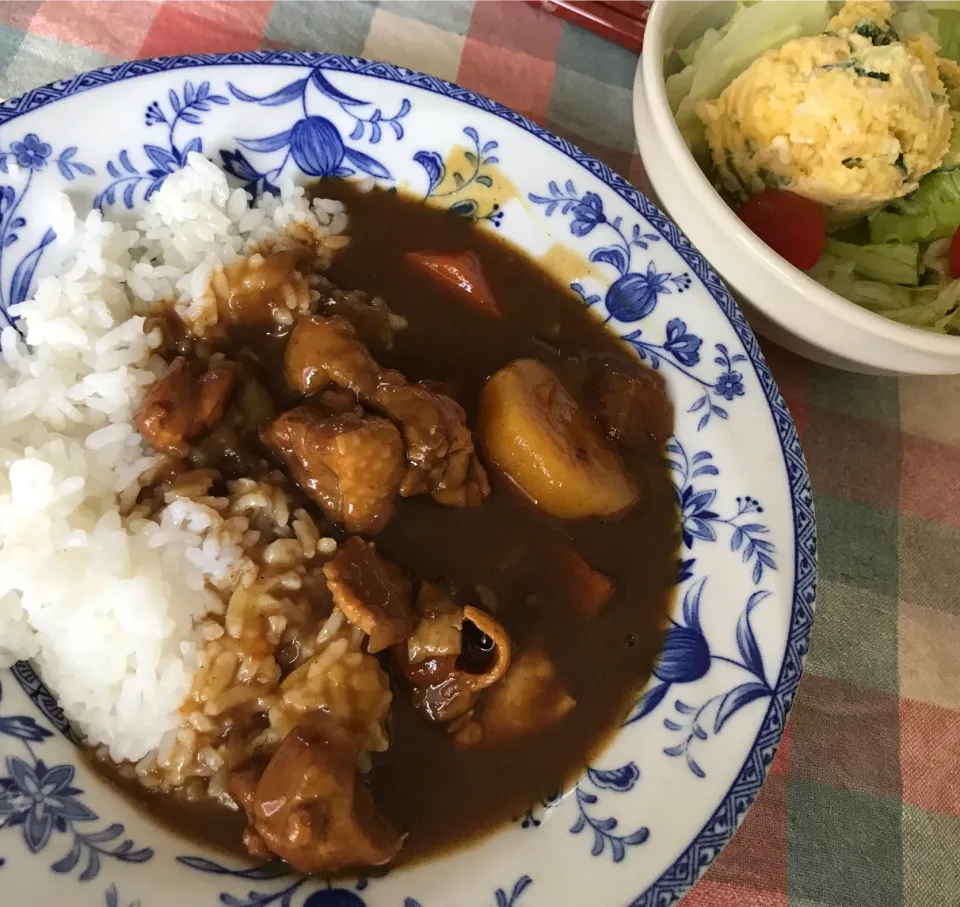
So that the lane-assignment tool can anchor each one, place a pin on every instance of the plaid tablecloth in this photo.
(863, 803)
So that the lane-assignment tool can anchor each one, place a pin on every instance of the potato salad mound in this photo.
(852, 118)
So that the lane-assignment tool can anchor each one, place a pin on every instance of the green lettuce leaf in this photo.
(934, 315)
(688, 54)
(948, 26)
(951, 160)
(932, 212)
(678, 86)
(933, 308)
(897, 263)
(839, 275)
(950, 322)
(913, 18)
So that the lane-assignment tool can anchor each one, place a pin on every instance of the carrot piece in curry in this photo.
(589, 589)
(460, 272)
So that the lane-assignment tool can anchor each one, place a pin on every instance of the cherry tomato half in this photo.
(790, 224)
(955, 255)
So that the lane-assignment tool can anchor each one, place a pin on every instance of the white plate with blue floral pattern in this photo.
(655, 809)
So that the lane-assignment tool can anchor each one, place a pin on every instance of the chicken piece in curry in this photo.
(471, 549)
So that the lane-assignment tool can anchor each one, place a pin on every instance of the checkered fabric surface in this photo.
(862, 806)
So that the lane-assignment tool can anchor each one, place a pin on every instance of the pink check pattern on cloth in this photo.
(862, 806)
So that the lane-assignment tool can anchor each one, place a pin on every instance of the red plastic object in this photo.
(619, 21)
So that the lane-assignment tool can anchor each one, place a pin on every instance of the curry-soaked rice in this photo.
(262, 665)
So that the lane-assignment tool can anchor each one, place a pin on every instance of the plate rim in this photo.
(697, 856)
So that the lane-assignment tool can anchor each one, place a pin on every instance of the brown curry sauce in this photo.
(443, 795)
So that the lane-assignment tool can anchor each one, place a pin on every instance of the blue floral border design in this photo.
(43, 699)
(480, 157)
(43, 802)
(685, 658)
(127, 178)
(697, 857)
(31, 155)
(293, 887)
(698, 519)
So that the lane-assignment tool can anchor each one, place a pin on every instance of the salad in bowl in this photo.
(833, 131)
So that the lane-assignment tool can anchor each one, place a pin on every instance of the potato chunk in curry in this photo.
(537, 435)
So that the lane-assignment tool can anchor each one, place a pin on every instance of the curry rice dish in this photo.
(379, 517)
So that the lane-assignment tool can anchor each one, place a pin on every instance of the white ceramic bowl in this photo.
(780, 301)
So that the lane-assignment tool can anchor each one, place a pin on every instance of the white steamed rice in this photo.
(106, 606)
